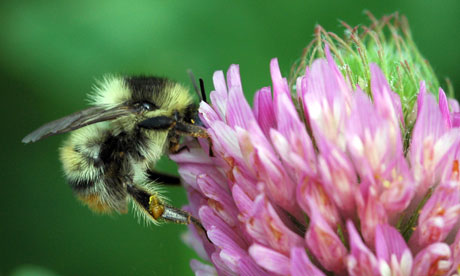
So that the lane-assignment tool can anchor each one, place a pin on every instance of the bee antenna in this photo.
(203, 92)
(195, 86)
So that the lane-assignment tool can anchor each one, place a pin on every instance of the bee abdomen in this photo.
(80, 185)
(82, 171)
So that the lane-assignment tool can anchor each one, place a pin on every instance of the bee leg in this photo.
(174, 144)
(177, 148)
(157, 210)
(179, 128)
(179, 216)
(183, 128)
(182, 217)
(163, 178)
(158, 123)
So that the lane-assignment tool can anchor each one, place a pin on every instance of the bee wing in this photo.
(77, 120)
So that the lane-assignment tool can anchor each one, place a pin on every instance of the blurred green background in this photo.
(50, 54)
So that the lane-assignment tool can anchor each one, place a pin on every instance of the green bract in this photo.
(387, 42)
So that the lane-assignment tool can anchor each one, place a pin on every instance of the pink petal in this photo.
(326, 102)
(343, 85)
(454, 112)
(255, 227)
(221, 234)
(325, 244)
(454, 106)
(196, 200)
(388, 241)
(290, 126)
(280, 86)
(296, 166)
(219, 96)
(270, 259)
(264, 110)
(392, 251)
(429, 119)
(201, 269)
(371, 212)
(225, 142)
(455, 118)
(232, 258)
(219, 199)
(272, 173)
(248, 267)
(242, 201)
(338, 178)
(312, 197)
(455, 249)
(194, 241)
(435, 259)
(207, 114)
(374, 141)
(239, 112)
(438, 216)
(444, 107)
(398, 187)
(301, 87)
(221, 266)
(301, 264)
(432, 147)
(421, 97)
(361, 261)
(189, 173)
(245, 182)
(386, 101)
(233, 76)
(247, 141)
(276, 234)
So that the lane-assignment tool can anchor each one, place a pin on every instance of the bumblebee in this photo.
(113, 145)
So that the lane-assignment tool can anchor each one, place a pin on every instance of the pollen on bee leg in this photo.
(156, 208)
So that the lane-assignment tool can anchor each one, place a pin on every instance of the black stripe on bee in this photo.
(143, 87)
(79, 185)
(114, 149)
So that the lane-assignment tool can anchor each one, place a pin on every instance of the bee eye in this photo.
(145, 106)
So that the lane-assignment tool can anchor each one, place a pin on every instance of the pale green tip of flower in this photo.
(386, 42)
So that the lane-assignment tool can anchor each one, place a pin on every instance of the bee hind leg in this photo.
(183, 217)
(154, 206)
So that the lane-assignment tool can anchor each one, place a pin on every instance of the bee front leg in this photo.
(183, 128)
(158, 123)
(174, 144)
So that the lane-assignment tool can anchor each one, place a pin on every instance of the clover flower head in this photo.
(349, 168)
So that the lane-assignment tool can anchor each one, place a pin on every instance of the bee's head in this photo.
(145, 98)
